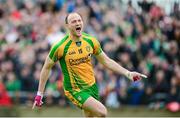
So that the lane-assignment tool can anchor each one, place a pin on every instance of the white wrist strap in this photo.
(127, 74)
(40, 93)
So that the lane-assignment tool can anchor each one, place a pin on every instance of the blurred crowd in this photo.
(146, 41)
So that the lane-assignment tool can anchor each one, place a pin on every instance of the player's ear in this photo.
(67, 26)
(66, 22)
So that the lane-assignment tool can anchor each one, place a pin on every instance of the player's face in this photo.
(75, 24)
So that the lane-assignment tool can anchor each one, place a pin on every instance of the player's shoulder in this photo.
(88, 36)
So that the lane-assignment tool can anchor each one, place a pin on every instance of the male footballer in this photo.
(74, 53)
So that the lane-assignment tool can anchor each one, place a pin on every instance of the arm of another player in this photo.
(42, 82)
(115, 67)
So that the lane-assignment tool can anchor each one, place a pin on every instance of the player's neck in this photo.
(74, 37)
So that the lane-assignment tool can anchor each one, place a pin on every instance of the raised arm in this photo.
(115, 67)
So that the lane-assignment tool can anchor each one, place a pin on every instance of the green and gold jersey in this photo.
(75, 60)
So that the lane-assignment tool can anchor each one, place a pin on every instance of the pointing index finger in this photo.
(144, 76)
(34, 104)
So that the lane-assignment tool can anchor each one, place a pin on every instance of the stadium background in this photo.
(141, 36)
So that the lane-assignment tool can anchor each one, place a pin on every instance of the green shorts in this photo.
(79, 97)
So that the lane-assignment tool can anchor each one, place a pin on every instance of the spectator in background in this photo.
(175, 86)
(13, 86)
(176, 11)
(160, 90)
(145, 6)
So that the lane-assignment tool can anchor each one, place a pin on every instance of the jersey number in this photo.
(80, 51)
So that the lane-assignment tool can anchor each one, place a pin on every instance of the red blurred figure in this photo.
(156, 12)
(5, 100)
(173, 106)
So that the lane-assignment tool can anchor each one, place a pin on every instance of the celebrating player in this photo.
(74, 53)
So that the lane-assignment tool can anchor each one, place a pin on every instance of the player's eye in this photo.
(74, 21)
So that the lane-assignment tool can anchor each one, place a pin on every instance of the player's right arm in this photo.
(45, 74)
(50, 61)
(48, 64)
(114, 66)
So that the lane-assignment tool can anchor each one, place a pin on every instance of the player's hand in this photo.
(37, 101)
(135, 76)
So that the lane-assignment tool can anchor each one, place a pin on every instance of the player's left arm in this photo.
(115, 67)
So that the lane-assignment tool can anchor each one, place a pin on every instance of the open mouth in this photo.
(78, 29)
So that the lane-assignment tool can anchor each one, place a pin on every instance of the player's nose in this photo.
(78, 23)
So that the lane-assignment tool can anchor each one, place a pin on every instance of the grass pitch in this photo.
(55, 111)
